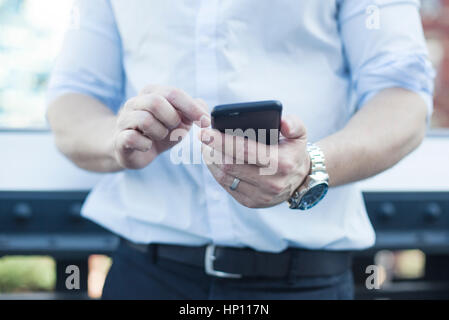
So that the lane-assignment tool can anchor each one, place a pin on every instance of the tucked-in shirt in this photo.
(323, 59)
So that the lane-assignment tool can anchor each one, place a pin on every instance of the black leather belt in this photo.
(227, 262)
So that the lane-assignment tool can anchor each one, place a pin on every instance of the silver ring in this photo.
(235, 184)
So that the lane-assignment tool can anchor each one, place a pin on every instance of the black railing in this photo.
(50, 223)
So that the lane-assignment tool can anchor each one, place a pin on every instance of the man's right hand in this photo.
(145, 122)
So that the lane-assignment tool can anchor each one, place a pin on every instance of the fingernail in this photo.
(205, 121)
(205, 136)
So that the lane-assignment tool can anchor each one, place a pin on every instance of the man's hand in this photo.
(145, 122)
(256, 190)
(95, 139)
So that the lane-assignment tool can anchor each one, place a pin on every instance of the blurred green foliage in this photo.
(27, 274)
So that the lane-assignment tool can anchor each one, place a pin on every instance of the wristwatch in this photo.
(315, 187)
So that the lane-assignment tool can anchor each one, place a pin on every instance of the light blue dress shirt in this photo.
(323, 59)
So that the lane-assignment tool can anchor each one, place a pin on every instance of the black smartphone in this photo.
(265, 115)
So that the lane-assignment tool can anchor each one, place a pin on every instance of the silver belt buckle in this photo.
(209, 258)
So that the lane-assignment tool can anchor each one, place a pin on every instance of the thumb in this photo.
(205, 120)
(293, 128)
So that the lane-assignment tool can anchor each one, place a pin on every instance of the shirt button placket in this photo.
(218, 210)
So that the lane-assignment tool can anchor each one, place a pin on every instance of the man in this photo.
(355, 83)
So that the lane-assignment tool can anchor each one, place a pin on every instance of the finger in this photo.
(189, 107)
(133, 140)
(203, 104)
(226, 182)
(146, 123)
(162, 110)
(245, 193)
(270, 184)
(205, 121)
(158, 106)
(247, 172)
(293, 128)
(243, 150)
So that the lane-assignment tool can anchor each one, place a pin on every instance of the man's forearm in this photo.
(385, 130)
(86, 140)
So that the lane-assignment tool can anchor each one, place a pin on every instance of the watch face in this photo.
(313, 196)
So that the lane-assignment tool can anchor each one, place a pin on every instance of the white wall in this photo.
(29, 161)
(426, 169)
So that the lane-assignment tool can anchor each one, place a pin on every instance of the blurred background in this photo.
(41, 231)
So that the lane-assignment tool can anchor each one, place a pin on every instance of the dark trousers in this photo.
(141, 276)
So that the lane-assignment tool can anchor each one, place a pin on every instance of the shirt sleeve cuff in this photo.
(61, 84)
(413, 73)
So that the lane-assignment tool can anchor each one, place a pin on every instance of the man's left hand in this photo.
(255, 190)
